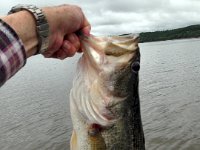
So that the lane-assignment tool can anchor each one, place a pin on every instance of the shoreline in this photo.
(179, 39)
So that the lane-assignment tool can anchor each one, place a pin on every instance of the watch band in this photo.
(42, 25)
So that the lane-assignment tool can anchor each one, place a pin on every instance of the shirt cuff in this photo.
(12, 52)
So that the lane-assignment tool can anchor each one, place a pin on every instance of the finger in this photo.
(60, 54)
(86, 27)
(47, 54)
(73, 39)
(80, 50)
(69, 49)
(86, 30)
(66, 46)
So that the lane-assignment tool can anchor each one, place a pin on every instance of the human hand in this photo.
(64, 22)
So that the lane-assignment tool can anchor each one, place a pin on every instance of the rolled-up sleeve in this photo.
(12, 52)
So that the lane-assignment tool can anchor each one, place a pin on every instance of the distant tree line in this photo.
(192, 31)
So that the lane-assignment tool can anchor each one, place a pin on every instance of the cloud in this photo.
(125, 16)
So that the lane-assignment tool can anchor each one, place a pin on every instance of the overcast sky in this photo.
(127, 16)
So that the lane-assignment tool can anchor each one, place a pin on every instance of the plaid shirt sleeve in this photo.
(12, 52)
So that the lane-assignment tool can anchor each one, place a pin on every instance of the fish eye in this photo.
(135, 67)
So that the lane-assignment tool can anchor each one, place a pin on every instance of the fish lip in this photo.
(134, 36)
(128, 35)
(105, 46)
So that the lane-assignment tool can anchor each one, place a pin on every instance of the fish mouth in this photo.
(109, 52)
(115, 45)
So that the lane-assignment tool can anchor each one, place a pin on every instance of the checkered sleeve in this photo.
(12, 52)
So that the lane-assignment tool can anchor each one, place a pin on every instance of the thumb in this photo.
(86, 28)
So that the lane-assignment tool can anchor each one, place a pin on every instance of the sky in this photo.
(127, 16)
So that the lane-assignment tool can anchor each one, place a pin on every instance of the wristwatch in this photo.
(42, 25)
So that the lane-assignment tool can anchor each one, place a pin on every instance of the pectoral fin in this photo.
(95, 138)
(73, 141)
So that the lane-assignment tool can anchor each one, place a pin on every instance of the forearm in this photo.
(12, 52)
(24, 25)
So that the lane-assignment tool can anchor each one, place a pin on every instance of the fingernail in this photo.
(86, 31)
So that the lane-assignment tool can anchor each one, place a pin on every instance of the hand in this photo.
(64, 22)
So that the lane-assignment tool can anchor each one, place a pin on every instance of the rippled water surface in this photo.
(34, 105)
(170, 94)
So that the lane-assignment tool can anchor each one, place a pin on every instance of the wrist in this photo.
(41, 25)
(26, 30)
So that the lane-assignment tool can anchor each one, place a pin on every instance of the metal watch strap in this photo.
(42, 25)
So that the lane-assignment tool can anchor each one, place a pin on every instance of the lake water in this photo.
(34, 105)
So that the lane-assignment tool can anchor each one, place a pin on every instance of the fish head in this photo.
(109, 67)
(115, 59)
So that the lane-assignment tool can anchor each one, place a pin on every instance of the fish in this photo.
(104, 98)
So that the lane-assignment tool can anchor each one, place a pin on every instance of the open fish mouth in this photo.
(110, 49)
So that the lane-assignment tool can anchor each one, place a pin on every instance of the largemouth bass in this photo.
(104, 99)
